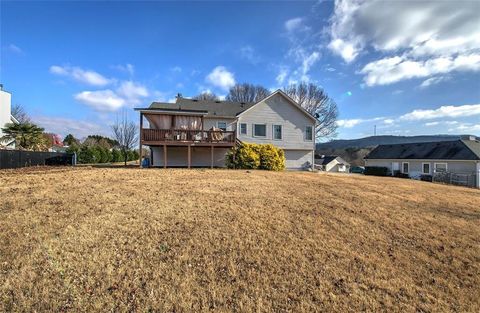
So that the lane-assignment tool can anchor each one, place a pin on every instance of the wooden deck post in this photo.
(203, 128)
(189, 156)
(164, 156)
(211, 156)
(140, 150)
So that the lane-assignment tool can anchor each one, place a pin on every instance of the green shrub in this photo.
(376, 171)
(116, 155)
(256, 156)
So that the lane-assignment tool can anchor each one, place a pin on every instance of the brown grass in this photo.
(198, 240)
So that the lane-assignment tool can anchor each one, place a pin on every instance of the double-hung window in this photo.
(308, 133)
(259, 130)
(405, 167)
(277, 132)
(440, 167)
(426, 168)
(243, 128)
(222, 125)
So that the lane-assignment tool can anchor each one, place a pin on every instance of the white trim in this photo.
(278, 91)
(253, 130)
(435, 166)
(305, 136)
(429, 168)
(246, 129)
(403, 168)
(281, 132)
(432, 160)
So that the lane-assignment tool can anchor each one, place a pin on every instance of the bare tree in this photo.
(20, 114)
(125, 132)
(206, 96)
(247, 93)
(316, 102)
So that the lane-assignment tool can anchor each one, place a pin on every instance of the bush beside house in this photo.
(256, 156)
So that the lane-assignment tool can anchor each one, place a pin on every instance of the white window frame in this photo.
(403, 167)
(281, 132)
(429, 168)
(253, 131)
(226, 124)
(246, 129)
(435, 166)
(305, 137)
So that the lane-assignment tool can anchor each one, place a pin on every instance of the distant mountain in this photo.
(373, 141)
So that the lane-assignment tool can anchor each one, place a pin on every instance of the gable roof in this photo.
(209, 108)
(325, 159)
(442, 150)
(278, 91)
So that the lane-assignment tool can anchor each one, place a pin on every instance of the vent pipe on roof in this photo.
(468, 137)
(179, 95)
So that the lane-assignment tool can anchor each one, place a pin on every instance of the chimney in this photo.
(179, 95)
(1, 86)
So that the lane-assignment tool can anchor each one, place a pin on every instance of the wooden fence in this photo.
(21, 158)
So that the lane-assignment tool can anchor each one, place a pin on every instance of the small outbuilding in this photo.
(331, 163)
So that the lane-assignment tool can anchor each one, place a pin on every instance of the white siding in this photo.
(278, 111)
(178, 156)
(213, 122)
(298, 159)
(5, 109)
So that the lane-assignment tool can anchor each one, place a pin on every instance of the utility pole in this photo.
(374, 130)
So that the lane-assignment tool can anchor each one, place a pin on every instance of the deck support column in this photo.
(164, 156)
(211, 156)
(189, 156)
(140, 150)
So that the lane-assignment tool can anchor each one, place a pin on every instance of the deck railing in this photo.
(187, 135)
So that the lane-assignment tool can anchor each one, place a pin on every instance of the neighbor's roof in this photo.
(325, 160)
(209, 107)
(442, 150)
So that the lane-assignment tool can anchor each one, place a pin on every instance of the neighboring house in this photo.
(200, 132)
(331, 163)
(449, 161)
(6, 115)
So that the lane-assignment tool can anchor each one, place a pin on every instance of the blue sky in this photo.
(409, 68)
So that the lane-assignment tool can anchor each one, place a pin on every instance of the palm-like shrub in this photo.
(27, 136)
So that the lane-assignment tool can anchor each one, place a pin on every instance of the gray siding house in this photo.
(455, 161)
(198, 133)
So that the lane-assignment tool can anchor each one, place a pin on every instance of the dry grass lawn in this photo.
(89, 239)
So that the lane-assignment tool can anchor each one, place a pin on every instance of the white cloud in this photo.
(176, 69)
(294, 24)
(417, 38)
(221, 77)
(101, 100)
(388, 121)
(248, 53)
(281, 76)
(84, 76)
(432, 124)
(349, 123)
(433, 81)
(64, 126)
(127, 68)
(132, 92)
(15, 49)
(449, 111)
(309, 61)
(391, 70)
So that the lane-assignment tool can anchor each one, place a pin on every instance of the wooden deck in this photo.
(185, 137)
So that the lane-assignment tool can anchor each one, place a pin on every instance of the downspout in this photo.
(478, 174)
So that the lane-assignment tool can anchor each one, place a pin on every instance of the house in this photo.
(455, 161)
(6, 116)
(199, 133)
(331, 163)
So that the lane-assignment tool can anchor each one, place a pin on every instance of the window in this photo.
(426, 168)
(440, 167)
(308, 133)
(243, 128)
(405, 168)
(222, 125)
(259, 130)
(277, 132)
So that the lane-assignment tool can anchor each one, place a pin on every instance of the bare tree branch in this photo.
(317, 102)
(247, 93)
(20, 114)
(125, 132)
(206, 96)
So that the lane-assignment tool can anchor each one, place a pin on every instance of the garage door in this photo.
(298, 159)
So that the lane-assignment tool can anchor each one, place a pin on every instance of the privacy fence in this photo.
(20, 158)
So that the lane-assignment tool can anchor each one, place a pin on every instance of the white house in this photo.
(456, 161)
(200, 132)
(5, 114)
(332, 163)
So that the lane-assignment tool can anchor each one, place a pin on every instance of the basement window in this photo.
(405, 167)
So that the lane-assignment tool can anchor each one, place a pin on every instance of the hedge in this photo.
(376, 171)
(256, 156)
